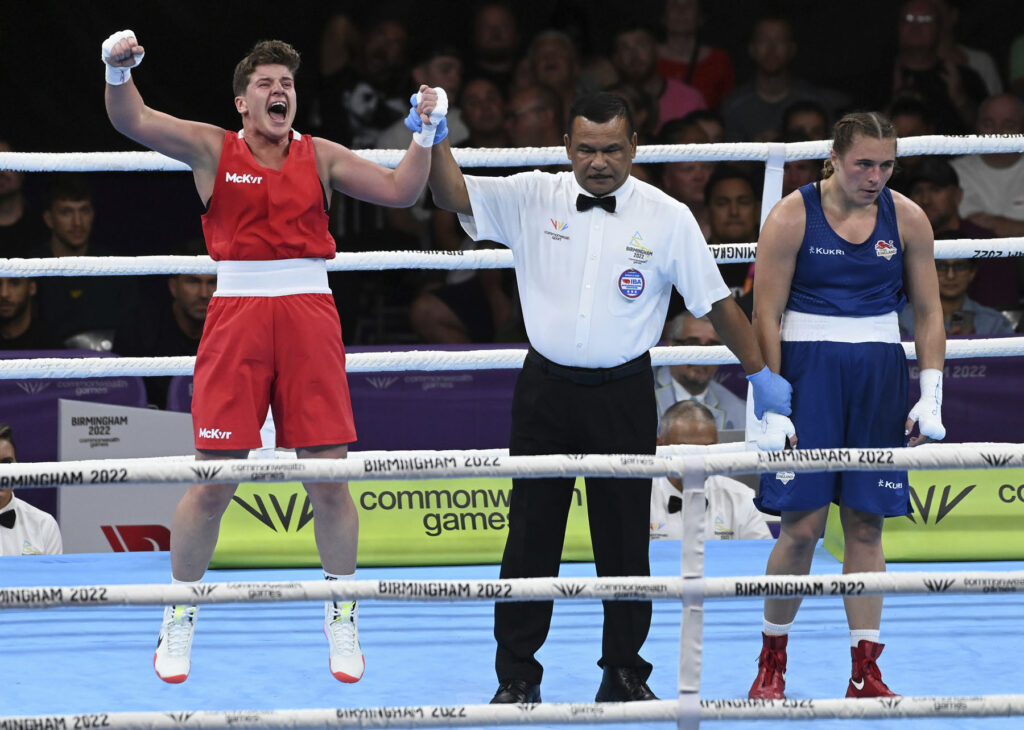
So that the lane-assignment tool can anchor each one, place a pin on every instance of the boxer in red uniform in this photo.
(272, 336)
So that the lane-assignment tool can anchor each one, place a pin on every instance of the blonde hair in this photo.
(868, 124)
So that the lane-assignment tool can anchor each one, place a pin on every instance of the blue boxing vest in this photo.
(838, 278)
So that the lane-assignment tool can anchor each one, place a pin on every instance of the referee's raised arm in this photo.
(446, 181)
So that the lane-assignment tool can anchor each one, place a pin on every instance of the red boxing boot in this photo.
(771, 670)
(866, 678)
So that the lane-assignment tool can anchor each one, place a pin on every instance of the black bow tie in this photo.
(585, 203)
(674, 505)
(8, 518)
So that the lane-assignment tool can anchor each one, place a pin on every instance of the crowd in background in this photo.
(510, 83)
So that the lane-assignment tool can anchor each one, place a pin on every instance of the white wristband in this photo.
(425, 138)
(931, 384)
(117, 75)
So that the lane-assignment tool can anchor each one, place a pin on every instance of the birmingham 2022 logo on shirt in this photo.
(558, 234)
(639, 254)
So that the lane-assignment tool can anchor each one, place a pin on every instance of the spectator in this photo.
(951, 91)
(729, 511)
(385, 71)
(674, 383)
(21, 227)
(979, 61)
(635, 56)
(798, 172)
(711, 122)
(365, 84)
(644, 109)
(753, 111)
(685, 180)
(171, 328)
(79, 311)
(24, 529)
(935, 187)
(993, 184)
(910, 118)
(1015, 67)
(495, 44)
(341, 53)
(553, 61)
(20, 328)
(535, 117)
(806, 117)
(734, 214)
(960, 314)
(685, 57)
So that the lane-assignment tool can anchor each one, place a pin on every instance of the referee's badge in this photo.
(631, 283)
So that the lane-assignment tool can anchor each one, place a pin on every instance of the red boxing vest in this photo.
(259, 214)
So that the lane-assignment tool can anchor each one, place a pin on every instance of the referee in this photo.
(596, 255)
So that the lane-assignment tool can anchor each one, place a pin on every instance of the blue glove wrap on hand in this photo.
(772, 392)
(415, 124)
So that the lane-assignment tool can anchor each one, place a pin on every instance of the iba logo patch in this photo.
(885, 249)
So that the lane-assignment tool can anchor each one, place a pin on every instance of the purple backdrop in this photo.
(466, 409)
(30, 407)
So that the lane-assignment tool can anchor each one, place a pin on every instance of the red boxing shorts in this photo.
(284, 352)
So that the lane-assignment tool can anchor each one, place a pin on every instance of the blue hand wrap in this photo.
(415, 124)
(772, 392)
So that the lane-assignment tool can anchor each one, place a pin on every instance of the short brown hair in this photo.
(264, 52)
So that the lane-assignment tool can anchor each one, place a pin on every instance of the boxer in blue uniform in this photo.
(836, 262)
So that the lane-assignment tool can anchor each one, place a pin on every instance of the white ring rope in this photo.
(626, 588)
(527, 156)
(961, 248)
(431, 360)
(553, 713)
(431, 465)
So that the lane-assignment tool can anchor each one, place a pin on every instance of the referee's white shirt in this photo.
(35, 532)
(594, 286)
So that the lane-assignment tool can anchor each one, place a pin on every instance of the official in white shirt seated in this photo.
(673, 383)
(729, 512)
(24, 529)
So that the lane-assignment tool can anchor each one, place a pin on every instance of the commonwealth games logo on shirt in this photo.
(557, 233)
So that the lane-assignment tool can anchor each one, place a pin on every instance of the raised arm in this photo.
(447, 183)
(197, 145)
(359, 178)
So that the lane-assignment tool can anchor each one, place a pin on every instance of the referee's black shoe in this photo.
(623, 684)
(513, 691)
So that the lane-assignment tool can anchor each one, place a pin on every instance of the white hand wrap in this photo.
(425, 138)
(117, 75)
(774, 432)
(928, 411)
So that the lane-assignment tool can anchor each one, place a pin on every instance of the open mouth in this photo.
(278, 111)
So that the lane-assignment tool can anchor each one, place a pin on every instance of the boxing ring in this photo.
(84, 660)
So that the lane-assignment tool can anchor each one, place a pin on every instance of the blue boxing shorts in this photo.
(852, 395)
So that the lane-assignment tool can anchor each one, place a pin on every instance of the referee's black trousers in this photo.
(554, 411)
